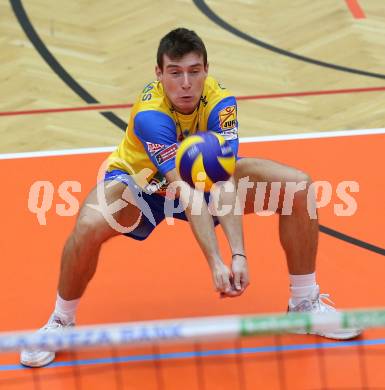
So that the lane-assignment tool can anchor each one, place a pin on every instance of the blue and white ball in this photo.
(205, 158)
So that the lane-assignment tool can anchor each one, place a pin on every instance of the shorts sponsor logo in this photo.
(156, 185)
(166, 154)
(228, 118)
(154, 148)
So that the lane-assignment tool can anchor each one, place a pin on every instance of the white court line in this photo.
(269, 138)
(51, 153)
(322, 134)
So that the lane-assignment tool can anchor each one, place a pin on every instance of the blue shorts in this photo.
(152, 206)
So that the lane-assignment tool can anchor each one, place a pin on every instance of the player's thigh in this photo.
(109, 208)
(268, 171)
(269, 178)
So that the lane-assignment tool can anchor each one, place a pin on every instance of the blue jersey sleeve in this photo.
(157, 132)
(223, 120)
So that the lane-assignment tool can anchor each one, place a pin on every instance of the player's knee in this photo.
(303, 177)
(92, 229)
(301, 196)
(244, 167)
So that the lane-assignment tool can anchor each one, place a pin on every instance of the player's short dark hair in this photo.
(178, 43)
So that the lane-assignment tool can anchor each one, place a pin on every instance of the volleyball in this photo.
(205, 157)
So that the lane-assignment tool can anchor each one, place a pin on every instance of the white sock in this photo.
(302, 286)
(66, 310)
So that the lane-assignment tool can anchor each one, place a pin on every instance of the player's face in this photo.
(183, 80)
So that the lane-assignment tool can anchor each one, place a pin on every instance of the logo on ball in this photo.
(205, 157)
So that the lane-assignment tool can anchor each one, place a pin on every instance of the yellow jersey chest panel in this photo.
(155, 129)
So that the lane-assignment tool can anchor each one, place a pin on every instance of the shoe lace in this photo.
(319, 303)
(54, 323)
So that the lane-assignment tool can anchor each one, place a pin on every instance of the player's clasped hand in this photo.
(240, 272)
(231, 283)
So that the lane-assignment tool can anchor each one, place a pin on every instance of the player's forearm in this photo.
(223, 205)
(200, 219)
(233, 228)
(202, 226)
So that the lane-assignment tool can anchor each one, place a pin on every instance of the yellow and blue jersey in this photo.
(155, 129)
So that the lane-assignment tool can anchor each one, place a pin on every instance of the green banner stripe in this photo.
(260, 325)
(293, 322)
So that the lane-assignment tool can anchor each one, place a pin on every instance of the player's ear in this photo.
(158, 73)
(207, 69)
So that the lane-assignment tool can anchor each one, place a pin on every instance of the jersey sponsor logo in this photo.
(166, 154)
(146, 95)
(228, 118)
(154, 148)
(204, 101)
(231, 134)
(148, 88)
